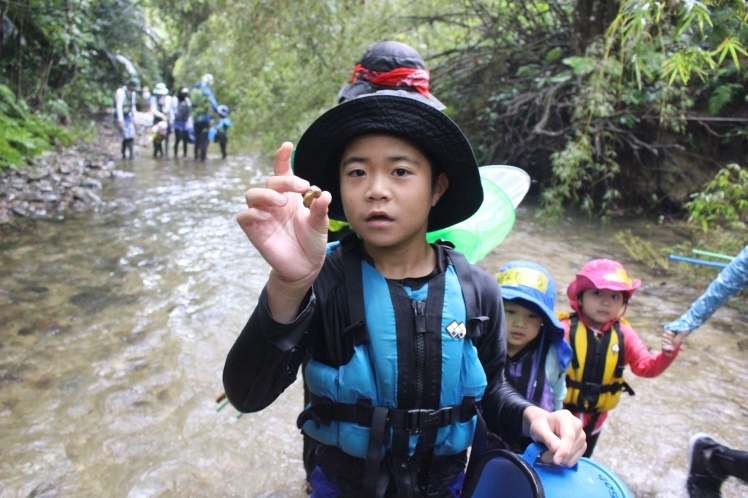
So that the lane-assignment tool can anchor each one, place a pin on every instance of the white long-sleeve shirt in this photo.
(119, 101)
(167, 107)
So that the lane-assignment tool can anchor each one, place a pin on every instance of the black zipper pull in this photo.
(419, 307)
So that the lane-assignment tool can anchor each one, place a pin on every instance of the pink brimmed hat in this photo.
(604, 274)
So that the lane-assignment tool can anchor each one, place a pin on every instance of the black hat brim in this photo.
(317, 156)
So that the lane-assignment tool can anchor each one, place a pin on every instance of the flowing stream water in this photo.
(114, 326)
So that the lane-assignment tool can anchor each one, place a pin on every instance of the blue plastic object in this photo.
(500, 473)
(211, 134)
(503, 474)
(587, 479)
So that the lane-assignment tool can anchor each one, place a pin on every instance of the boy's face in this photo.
(599, 306)
(386, 189)
(522, 326)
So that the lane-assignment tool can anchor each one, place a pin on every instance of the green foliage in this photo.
(642, 250)
(77, 51)
(644, 66)
(723, 202)
(23, 135)
(278, 73)
(721, 96)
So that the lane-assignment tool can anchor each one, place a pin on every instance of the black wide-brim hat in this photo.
(317, 156)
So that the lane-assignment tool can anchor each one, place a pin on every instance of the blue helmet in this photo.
(223, 110)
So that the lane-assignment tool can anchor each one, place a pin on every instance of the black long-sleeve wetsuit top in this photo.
(265, 358)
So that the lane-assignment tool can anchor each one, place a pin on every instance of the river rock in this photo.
(90, 183)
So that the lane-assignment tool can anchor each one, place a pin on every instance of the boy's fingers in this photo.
(282, 164)
(571, 439)
(258, 197)
(318, 212)
(248, 218)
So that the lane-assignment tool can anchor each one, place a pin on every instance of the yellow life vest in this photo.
(594, 380)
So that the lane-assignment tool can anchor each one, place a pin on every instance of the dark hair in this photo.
(182, 93)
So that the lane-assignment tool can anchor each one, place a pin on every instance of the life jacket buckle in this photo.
(307, 415)
(428, 419)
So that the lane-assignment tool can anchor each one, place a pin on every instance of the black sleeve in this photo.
(502, 406)
(266, 356)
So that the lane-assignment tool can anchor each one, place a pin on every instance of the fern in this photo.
(721, 96)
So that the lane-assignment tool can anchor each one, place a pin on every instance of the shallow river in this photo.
(114, 326)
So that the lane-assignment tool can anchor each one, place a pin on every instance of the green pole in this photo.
(712, 254)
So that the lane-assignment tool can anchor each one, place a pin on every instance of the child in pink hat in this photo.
(603, 343)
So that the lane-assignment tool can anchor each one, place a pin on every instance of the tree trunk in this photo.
(6, 6)
(43, 81)
(590, 20)
(19, 61)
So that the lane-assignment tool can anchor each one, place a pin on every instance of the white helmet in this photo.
(207, 79)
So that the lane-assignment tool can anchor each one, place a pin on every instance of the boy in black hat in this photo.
(407, 339)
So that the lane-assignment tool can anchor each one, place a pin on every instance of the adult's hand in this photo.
(671, 341)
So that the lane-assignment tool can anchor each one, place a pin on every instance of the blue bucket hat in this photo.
(533, 287)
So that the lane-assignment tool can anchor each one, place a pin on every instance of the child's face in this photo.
(522, 326)
(600, 306)
(386, 190)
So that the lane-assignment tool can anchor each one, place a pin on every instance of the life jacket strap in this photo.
(464, 275)
(324, 411)
(373, 466)
(590, 390)
(593, 388)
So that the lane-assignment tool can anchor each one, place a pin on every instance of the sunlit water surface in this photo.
(114, 326)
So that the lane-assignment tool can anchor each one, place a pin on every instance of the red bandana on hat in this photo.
(401, 76)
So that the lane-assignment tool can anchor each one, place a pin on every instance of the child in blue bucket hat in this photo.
(537, 354)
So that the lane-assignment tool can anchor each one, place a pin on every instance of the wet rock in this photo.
(18, 183)
(38, 173)
(91, 183)
(44, 490)
(19, 211)
(29, 293)
(86, 195)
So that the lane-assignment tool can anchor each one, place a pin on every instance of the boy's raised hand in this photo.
(290, 237)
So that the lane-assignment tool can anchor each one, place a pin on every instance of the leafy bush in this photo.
(723, 202)
(23, 135)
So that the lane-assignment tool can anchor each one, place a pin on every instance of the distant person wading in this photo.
(203, 103)
(125, 101)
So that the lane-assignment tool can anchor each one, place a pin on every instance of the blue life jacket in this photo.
(367, 406)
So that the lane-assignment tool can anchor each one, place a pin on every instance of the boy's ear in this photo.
(442, 183)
